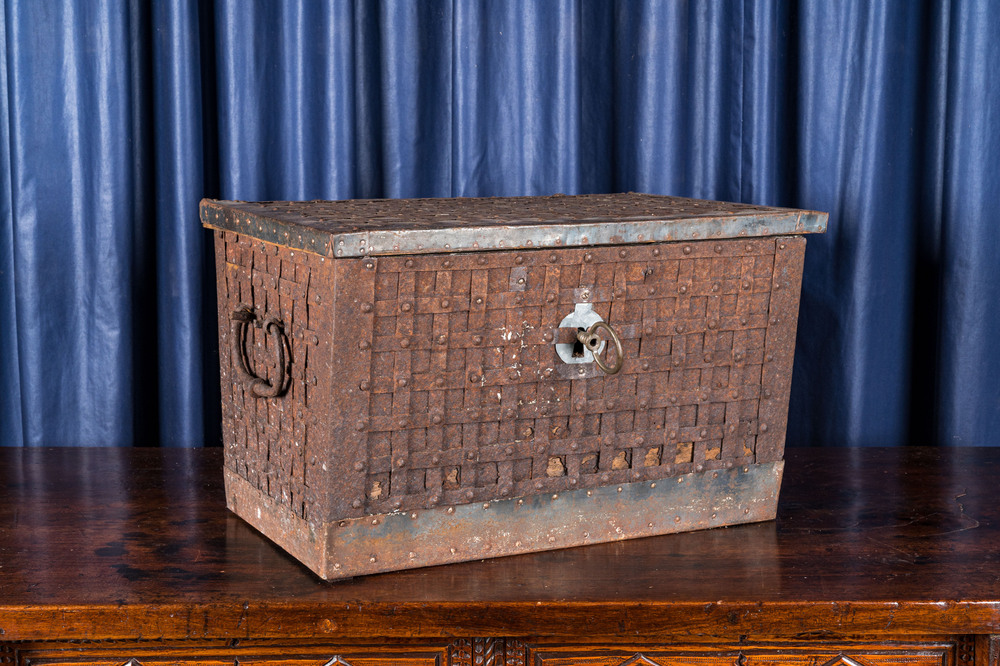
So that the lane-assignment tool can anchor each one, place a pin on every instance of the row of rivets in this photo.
(512, 413)
(519, 259)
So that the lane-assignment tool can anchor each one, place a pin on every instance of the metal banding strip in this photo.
(295, 236)
(407, 540)
(472, 237)
(576, 234)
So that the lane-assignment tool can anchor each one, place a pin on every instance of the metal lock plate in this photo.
(582, 318)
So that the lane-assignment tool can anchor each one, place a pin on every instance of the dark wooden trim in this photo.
(490, 651)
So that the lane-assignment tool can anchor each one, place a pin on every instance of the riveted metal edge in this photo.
(217, 215)
(469, 237)
(445, 534)
(577, 233)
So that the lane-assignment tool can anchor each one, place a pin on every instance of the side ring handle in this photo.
(592, 341)
(242, 317)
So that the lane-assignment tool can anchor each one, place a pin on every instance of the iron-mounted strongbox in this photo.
(414, 382)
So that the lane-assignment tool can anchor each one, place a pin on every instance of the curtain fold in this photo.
(969, 364)
(73, 208)
(516, 94)
(118, 117)
(857, 142)
(11, 422)
(183, 341)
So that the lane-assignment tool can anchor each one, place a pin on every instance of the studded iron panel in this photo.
(407, 214)
(275, 443)
(468, 401)
(433, 380)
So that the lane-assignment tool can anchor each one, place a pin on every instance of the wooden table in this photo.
(878, 556)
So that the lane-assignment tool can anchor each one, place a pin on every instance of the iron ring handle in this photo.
(242, 318)
(592, 341)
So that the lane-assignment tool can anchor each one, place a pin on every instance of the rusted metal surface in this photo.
(409, 383)
(267, 438)
(408, 540)
(418, 226)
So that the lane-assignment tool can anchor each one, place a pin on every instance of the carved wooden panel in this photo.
(857, 658)
(477, 652)
(788, 654)
(492, 652)
(965, 650)
(185, 653)
(514, 652)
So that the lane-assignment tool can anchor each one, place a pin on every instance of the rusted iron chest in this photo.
(414, 382)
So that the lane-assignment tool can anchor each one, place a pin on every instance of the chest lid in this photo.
(361, 227)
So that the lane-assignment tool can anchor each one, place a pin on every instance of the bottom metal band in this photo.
(406, 540)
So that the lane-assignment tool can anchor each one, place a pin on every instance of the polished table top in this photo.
(127, 543)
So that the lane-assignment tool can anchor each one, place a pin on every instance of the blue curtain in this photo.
(119, 116)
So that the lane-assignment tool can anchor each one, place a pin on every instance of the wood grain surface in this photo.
(129, 543)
